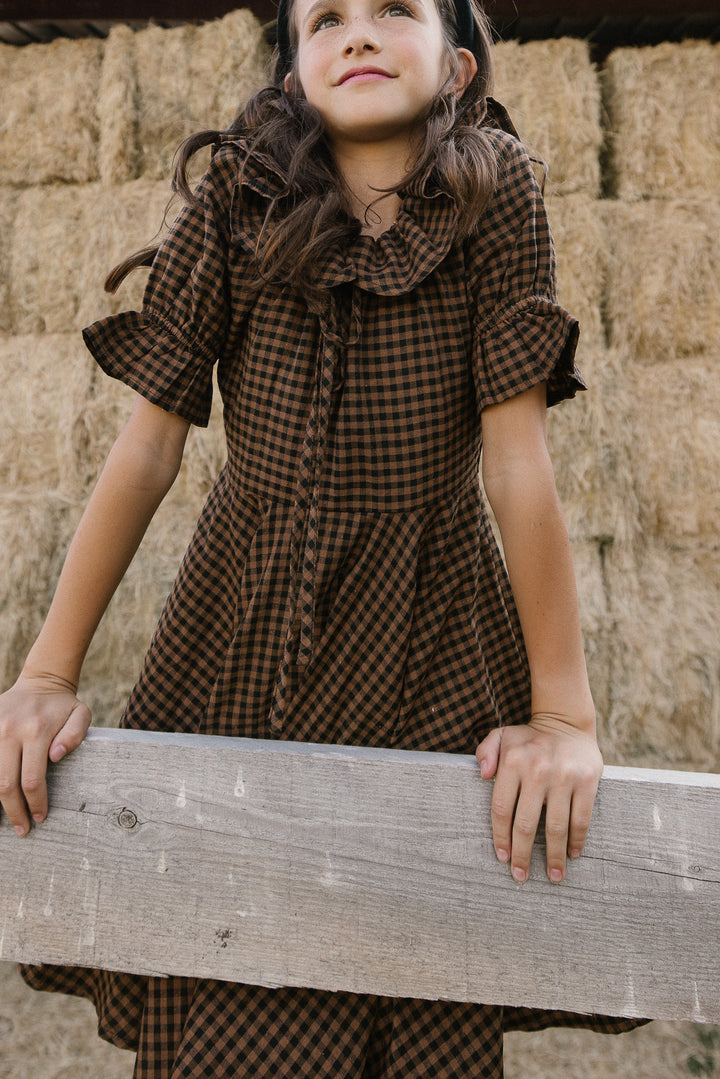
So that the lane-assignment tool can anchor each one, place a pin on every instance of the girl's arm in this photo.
(40, 716)
(554, 760)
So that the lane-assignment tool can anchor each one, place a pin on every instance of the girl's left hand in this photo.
(548, 762)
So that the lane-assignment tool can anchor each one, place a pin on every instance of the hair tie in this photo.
(465, 32)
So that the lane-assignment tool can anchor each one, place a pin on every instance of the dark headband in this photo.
(465, 34)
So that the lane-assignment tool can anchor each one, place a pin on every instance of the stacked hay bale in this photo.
(84, 182)
(662, 303)
(87, 144)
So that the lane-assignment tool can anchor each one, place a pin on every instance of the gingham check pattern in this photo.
(343, 584)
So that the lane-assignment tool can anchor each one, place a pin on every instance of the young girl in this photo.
(368, 260)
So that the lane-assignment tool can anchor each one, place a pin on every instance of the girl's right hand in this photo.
(41, 719)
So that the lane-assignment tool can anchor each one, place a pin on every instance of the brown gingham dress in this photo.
(343, 584)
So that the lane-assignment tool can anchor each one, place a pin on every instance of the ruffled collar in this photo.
(393, 264)
(402, 256)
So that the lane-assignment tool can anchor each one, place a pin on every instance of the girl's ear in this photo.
(467, 70)
(288, 84)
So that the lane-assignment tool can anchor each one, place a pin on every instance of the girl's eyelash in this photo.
(317, 24)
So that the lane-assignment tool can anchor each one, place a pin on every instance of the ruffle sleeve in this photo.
(521, 335)
(167, 352)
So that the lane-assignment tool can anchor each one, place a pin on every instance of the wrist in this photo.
(568, 703)
(571, 722)
(55, 674)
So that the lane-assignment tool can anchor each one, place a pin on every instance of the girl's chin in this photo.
(375, 133)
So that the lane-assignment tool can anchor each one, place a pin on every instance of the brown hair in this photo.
(456, 154)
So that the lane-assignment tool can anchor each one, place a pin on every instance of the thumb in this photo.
(488, 753)
(71, 733)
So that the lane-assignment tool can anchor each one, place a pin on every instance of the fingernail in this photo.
(483, 768)
(556, 876)
(20, 830)
(575, 853)
(57, 753)
(502, 855)
(38, 818)
(519, 874)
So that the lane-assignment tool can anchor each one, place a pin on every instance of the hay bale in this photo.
(47, 381)
(552, 92)
(8, 211)
(581, 244)
(234, 51)
(589, 445)
(665, 668)
(118, 155)
(63, 244)
(663, 285)
(50, 129)
(675, 452)
(48, 247)
(35, 527)
(191, 78)
(663, 107)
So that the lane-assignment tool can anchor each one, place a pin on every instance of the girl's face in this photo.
(372, 68)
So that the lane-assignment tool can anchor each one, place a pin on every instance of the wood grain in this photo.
(367, 870)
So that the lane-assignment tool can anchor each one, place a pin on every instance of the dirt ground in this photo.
(46, 1036)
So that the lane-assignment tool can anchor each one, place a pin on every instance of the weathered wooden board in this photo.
(364, 870)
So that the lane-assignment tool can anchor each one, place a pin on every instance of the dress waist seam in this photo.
(331, 508)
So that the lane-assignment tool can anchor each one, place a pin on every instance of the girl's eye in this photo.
(325, 22)
(397, 9)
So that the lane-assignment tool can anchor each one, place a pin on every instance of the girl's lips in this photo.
(364, 74)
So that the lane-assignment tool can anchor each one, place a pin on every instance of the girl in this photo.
(369, 261)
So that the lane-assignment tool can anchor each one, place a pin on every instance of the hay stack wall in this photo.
(86, 143)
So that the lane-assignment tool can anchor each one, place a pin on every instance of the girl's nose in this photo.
(360, 38)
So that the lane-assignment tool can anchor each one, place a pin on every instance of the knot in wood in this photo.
(126, 818)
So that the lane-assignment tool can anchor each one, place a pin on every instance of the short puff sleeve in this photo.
(167, 352)
(522, 336)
